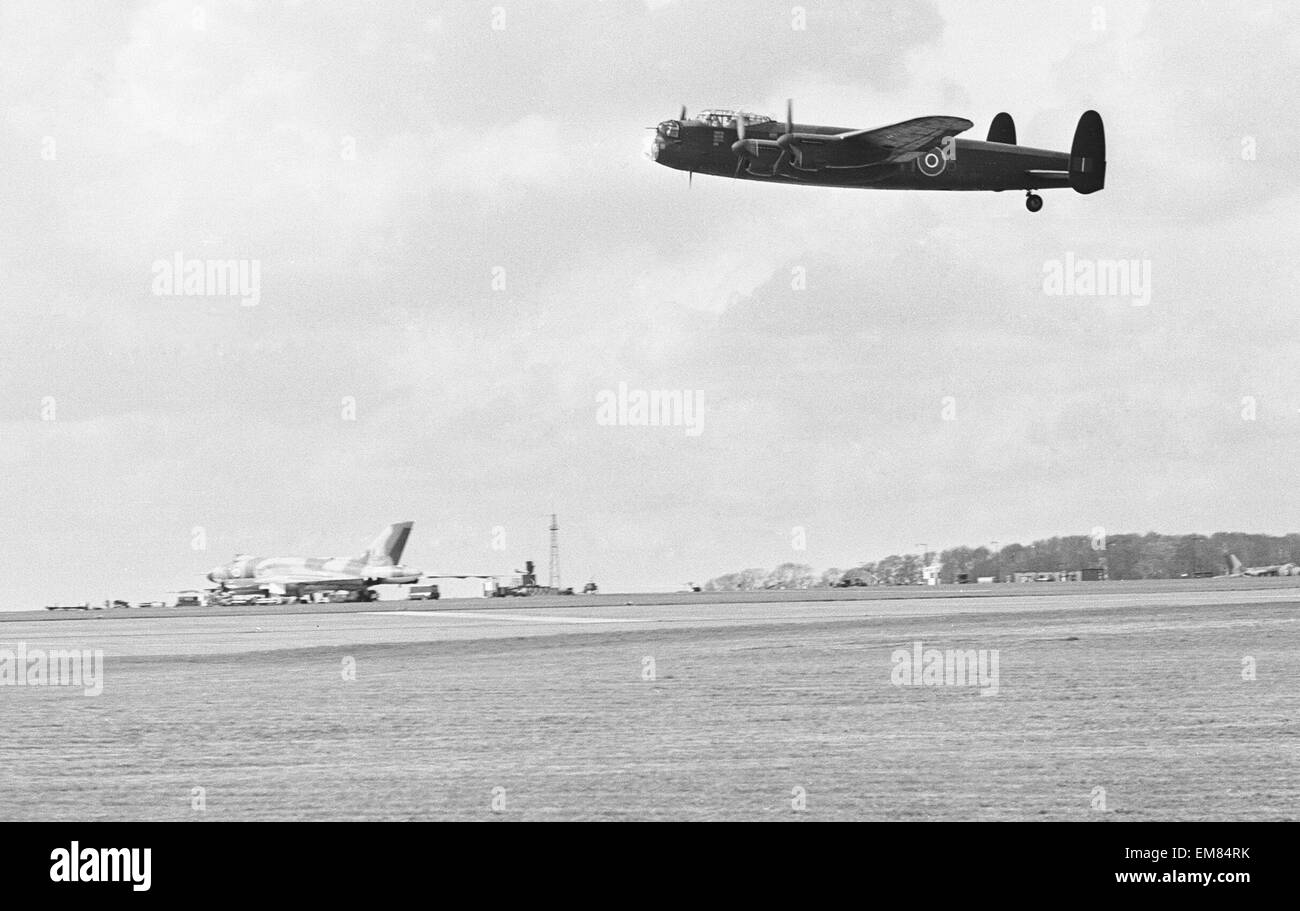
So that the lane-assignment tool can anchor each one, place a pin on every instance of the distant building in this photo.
(1073, 575)
(930, 574)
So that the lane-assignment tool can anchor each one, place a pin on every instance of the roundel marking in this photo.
(932, 163)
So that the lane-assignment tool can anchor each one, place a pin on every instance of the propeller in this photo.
(789, 146)
(748, 150)
(682, 115)
(743, 149)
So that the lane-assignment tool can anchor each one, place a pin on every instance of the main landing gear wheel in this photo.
(1033, 202)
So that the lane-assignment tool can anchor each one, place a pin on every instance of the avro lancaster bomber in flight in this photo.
(920, 154)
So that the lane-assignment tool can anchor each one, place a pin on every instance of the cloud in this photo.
(458, 235)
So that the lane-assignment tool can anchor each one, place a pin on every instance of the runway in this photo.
(252, 629)
(1115, 703)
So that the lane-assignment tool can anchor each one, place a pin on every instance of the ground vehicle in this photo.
(424, 593)
(354, 596)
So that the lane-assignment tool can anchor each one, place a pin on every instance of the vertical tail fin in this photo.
(1234, 565)
(386, 550)
(1003, 129)
(1088, 155)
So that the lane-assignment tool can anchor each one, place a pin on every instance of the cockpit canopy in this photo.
(722, 118)
(717, 118)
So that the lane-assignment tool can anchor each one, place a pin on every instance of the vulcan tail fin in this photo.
(1088, 155)
(1234, 565)
(386, 550)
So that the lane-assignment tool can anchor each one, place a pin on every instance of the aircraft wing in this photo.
(900, 141)
(306, 575)
(285, 581)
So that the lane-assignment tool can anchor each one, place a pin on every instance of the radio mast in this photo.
(555, 553)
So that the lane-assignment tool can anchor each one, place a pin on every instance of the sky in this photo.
(460, 246)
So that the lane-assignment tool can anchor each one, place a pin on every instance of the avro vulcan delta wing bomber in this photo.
(920, 154)
(300, 577)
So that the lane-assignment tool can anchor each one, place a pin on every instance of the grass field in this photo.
(750, 711)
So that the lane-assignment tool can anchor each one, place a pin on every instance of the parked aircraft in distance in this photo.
(1235, 569)
(300, 577)
(919, 154)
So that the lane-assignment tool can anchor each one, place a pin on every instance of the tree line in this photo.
(1127, 556)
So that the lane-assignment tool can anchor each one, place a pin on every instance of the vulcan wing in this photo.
(288, 580)
(898, 142)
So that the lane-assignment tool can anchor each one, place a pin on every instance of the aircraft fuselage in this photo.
(963, 164)
(919, 154)
(302, 575)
